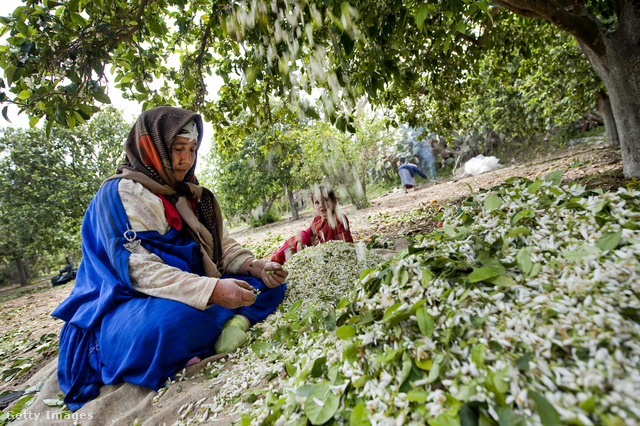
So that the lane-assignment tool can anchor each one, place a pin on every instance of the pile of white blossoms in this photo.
(522, 309)
(326, 272)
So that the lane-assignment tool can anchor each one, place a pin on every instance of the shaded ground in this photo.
(25, 315)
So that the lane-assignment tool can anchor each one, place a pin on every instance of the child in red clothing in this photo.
(330, 224)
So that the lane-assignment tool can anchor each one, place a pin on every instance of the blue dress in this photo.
(114, 334)
(407, 172)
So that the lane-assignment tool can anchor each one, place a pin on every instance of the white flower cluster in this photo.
(523, 308)
(326, 272)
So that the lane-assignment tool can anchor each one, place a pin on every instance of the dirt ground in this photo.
(26, 316)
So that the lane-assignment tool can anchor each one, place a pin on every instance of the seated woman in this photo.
(330, 224)
(161, 283)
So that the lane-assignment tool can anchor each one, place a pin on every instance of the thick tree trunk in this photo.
(618, 65)
(292, 203)
(623, 84)
(609, 120)
(21, 272)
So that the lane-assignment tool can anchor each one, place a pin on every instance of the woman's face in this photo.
(183, 155)
(320, 206)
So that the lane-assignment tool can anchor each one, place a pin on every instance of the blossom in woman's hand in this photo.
(273, 274)
(231, 293)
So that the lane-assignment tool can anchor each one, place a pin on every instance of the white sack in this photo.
(481, 164)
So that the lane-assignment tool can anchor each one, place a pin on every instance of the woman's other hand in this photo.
(231, 293)
(273, 274)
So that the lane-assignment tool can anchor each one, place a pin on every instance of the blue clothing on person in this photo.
(114, 334)
(407, 172)
(412, 169)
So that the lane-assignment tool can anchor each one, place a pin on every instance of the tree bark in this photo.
(609, 120)
(21, 272)
(292, 202)
(266, 204)
(619, 70)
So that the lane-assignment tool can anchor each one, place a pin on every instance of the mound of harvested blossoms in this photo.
(523, 308)
(326, 272)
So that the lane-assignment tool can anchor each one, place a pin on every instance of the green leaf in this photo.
(427, 276)
(424, 364)
(548, 414)
(100, 96)
(359, 416)
(78, 19)
(534, 186)
(406, 367)
(520, 230)
(25, 94)
(609, 241)
(388, 356)
(522, 363)
(484, 273)
(22, 404)
(502, 281)
(345, 332)
(576, 255)
(426, 322)
(477, 321)
(555, 177)
(508, 417)
(434, 373)
(524, 260)
(588, 404)
(493, 202)
(446, 419)
(393, 315)
(522, 215)
(417, 395)
(421, 16)
(477, 354)
(321, 404)
(262, 347)
(319, 367)
(53, 402)
(310, 112)
(460, 27)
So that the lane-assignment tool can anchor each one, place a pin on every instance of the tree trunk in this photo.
(609, 120)
(21, 272)
(266, 204)
(616, 60)
(621, 76)
(292, 203)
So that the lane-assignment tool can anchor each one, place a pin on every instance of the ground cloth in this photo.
(124, 403)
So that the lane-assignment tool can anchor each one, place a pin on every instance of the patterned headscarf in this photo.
(148, 162)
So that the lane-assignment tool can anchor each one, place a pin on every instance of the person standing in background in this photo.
(407, 176)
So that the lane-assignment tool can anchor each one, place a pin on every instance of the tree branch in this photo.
(199, 62)
(584, 29)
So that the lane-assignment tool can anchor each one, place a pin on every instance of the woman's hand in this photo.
(273, 274)
(231, 293)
